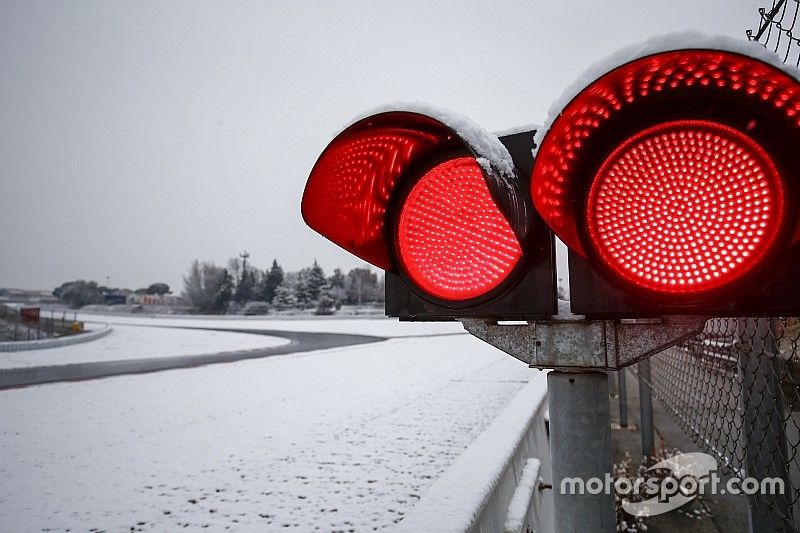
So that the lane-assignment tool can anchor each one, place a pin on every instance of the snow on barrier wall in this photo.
(18, 346)
(494, 485)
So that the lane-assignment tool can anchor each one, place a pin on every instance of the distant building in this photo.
(115, 299)
(154, 299)
(27, 296)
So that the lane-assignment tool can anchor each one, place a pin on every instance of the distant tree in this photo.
(315, 280)
(337, 279)
(224, 292)
(301, 292)
(379, 294)
(246, 278)
(202, 285)
(337, 283)
(272, 279)
(235, 267)
(245, 287)
(309, 284)
(78, 293)
(158, 288)
(58, 291)
(256, 308)
(284, 298)
(362, 286)
(326, 303)
(562, 293)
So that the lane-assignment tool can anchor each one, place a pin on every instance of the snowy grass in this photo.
(132, 342)
(337, 440)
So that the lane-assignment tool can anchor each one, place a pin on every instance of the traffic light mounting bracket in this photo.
(572, 343)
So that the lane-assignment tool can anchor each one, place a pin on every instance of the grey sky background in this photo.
(138, 136)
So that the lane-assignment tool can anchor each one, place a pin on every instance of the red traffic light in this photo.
(671, 173)
(452, 239)
(685, 206)
(430, 197)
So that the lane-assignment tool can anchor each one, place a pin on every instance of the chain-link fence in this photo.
(734, 390)
(776, 30)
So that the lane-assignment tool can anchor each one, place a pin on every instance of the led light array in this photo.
(452, 240)
(685, 206)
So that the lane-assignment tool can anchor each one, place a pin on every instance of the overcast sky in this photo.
(138, 136)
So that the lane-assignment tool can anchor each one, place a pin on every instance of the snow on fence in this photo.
(497, 483)
(56, 342)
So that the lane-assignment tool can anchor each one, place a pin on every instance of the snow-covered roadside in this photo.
(346, 439)
(132, 342)
(379, 326)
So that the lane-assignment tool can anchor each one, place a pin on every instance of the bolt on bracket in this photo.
(577, 344)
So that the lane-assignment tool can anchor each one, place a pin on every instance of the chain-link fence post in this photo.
(646, 408)
(623, 399)
(764, 428)
(612, 383)
(580, 448)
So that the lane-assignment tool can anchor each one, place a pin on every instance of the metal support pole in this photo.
(580, 448)
(612, 383)
(623, 399)
(764, 415)
(646, 409)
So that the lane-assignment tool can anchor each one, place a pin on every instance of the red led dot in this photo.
(452, 240)
(650, 187)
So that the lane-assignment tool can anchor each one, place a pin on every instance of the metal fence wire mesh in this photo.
(778, 30)
(734, 390)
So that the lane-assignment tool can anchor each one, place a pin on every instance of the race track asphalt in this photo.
(299, 342)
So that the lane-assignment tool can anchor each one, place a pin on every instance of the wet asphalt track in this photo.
(299, 342)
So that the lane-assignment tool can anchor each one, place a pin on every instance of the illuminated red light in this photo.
(348, 191)
(661, 83)
(452, 240)
(685, 206)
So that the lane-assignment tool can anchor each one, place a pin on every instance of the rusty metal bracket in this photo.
(573, 343)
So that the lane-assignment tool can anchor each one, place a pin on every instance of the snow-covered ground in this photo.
(338, 440)
(136, 342)
(380, 326)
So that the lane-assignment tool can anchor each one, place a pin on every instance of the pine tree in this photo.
(301, 291)
(284, 298)
(315, 280)
(325, 303)
(272, 279)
